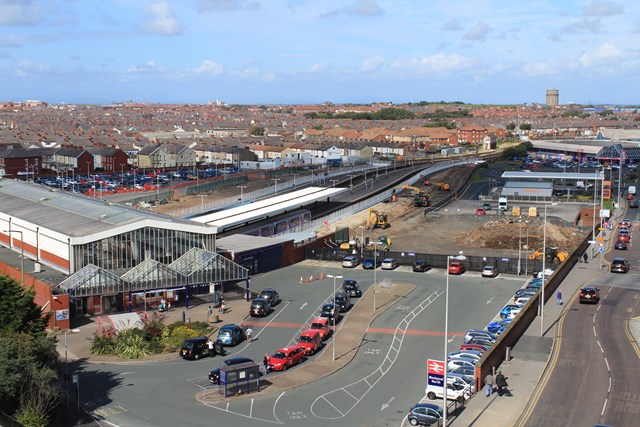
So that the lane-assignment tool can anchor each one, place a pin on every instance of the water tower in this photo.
(552, 97)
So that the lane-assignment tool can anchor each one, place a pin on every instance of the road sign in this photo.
(601, 228)
(600, 239)
(601, 250)
(435, 372)
(591, 242)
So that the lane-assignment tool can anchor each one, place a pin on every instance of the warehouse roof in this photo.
(79, 217)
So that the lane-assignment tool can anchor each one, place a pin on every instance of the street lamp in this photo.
(335, 309)
(362, 242)
(334, 182)
(241, 187)
(526, 258)
(375, 267)
(520, 248)
(275, 185)
(544, 267)
(21, 250)
(459, 257)
(294, 179)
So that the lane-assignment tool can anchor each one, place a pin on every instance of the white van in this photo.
(632, 190)
(502, 204)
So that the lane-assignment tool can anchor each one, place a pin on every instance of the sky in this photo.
(314, 51)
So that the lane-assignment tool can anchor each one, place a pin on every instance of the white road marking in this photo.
(303, 306)
(268, 323)
(386, 405)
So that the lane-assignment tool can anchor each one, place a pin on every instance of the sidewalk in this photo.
(78, 340)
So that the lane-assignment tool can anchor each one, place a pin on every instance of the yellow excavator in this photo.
(442, 186)
(376, 219)
(552, 255)
(420, 197)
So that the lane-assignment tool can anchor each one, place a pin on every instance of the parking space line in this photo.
(331, 404)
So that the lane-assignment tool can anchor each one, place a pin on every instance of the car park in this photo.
(619, 265)
(420, 266)
(489, 271)
(456, 267)
(589, 295)
(230, 335)
(342, 300)
(321, 324)
(331, 312)
(389, 264)
(424, 414)
(214, 376)
(311, 341)
(369, 263)
(622, 246)
(260, 307)
(194, 348)
(285, 358)
(271, 295)
(351, 287)
(350, 261)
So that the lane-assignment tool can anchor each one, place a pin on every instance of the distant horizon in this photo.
(301, 52)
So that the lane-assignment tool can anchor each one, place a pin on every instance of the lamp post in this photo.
(520, 248)
(526, 258)
(242, 187)
(361, 242)
(21, 250)
(294, 179)
(275, 185)
(335, 309)
(459, 257)
(334, 182)
(375, 262)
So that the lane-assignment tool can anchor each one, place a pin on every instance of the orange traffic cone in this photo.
(311, 278)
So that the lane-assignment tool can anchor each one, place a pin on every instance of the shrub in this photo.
(181, 333)
(103, 344)
(30, 417)
(130, 344)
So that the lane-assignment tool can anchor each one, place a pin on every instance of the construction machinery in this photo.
(383, 242)
(377, 219)
(420, 198)
(553, 254)
(442, 186)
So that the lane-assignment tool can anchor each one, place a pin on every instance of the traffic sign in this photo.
(601, 228)
(600, 239)
(601, 250)
(435, 372)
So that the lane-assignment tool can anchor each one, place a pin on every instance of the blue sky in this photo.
(311, 51)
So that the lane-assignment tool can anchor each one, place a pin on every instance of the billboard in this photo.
(435, 372)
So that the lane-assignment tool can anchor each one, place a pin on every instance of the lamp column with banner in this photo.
(335, 313)
(544, 274)
(459, 257)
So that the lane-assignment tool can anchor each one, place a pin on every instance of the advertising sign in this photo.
(62, 315)
(435, 372)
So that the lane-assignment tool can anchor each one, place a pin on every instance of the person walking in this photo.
(559, 298)
(586, 258)
(222, 307)
(175, 300)
(212, 349)
(501, 382)
(265, 362)
(488, 382)
(248, 333)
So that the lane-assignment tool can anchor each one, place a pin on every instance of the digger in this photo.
(420, 198)
(377, 219)
(553, 254)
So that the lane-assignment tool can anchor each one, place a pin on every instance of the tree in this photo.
(256, 131)
(511, 126)
(525, 126)
(18, 311)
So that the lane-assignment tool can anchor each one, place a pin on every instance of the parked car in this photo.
(331, 312)
(311, 341)
(482, 341)
(342, 300)
(420, 266)
(478, 347)
(350, 261)
(424, 414)
(321, 324)
(479, 333)
(285, 358)
(351, 287)
(389, 264)
(489, 271)
(368, 264)
(464, 370)
(468, 380)
(523, 300)
(589, 295)
(214, 376)
(525, 292)
(230, 335)
(454, 392)
(486, 206)
(271, 295)
(480, 211)
(621, 246)
(506, 311)
(456, 267)
(260, 307)
(471, 354)
(495, 326)
(619, 265)
(461, 361)
(194, 348)
(633, 203)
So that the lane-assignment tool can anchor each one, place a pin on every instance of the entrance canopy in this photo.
(196, 266)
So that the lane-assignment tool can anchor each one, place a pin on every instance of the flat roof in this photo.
(582, 176)
(244, 242)
(78, 216)
(266, 208)
(529, 184)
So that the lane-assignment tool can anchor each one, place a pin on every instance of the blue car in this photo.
(506, 311)
(230, 335)
(495, 326)
(368, 264)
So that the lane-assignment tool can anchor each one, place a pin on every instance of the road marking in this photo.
(488, 302)
(386, 405)
(604, 407)
(303, 306)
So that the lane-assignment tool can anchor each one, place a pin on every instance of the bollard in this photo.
(507, 354)
(184, 316)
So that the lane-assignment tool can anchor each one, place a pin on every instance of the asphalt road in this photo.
(386, 377)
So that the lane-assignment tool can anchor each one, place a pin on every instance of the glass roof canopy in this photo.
(196, 266)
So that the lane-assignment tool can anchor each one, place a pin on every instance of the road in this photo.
(387, 375)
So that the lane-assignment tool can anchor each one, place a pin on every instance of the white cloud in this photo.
(28, 68)
(255, 74)
(539, 69)
(373, 63)
(209, 67)
(601, 56)
(319, 67)
(451, 25)
(583, 25)
(160, 19)
(436, 64)
(636, 25)
(359, 8)
(19, 12)
(227, 5)
(478, 32)
(603, 8)
(147, 67)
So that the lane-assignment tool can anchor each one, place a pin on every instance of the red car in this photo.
(310, 341)
(480, 211)
(285, 358)
(456, 267)
(321, 324)
(623, 238)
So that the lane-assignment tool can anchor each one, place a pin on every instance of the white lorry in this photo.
(502, 204)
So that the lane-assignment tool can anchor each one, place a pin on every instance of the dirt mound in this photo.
(505, 234)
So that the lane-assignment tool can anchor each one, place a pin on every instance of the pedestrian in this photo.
(265, 362)
(501, 382)
(586, 258)
(210, 312)
(248, 333)
(222, 307)
(488, 381)
(559, 298)
(212, 350)
(175, 300)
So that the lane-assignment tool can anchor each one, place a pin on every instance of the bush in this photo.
(180, 333)
(30, 417)
(103, 344)
(130, 344)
